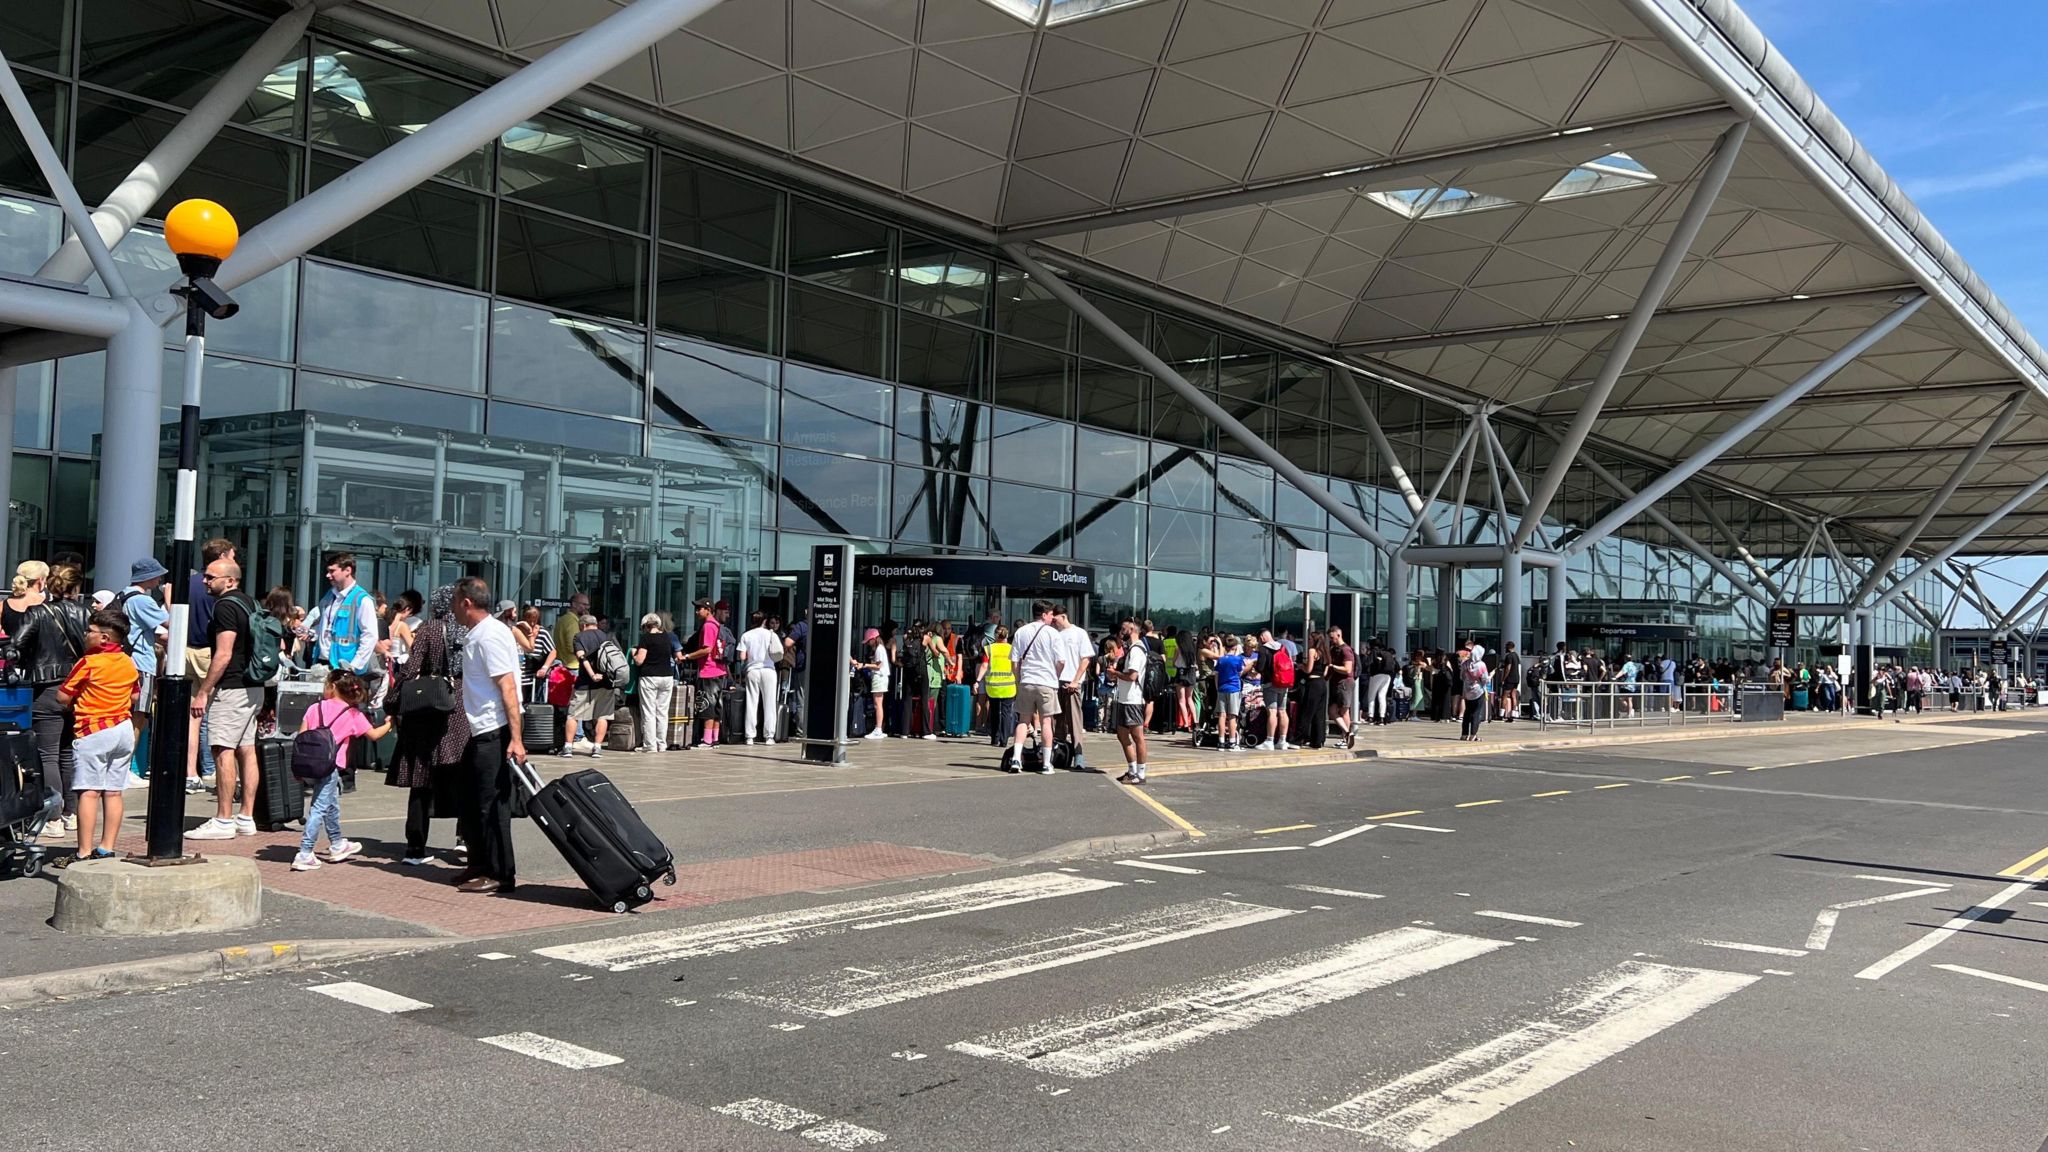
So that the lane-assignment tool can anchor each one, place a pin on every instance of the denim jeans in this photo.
(326, 809)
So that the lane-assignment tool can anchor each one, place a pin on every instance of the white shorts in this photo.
(231, 717)
(103, 759)
(878, 684)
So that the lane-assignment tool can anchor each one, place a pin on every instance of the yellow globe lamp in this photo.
(201, 234)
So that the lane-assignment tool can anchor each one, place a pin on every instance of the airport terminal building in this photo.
(1164, 289)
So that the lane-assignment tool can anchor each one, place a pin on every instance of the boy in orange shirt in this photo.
(101, 693)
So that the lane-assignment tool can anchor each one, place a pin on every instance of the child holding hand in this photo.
(339, 714)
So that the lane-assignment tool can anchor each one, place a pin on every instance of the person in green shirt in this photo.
(566, 626)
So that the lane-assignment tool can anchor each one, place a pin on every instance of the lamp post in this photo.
(201, 234)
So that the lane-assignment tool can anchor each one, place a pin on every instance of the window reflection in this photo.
(1030, 521)
(835, 413)
(29, 233)
(1109, 464)
(1032, 448)
(1112, 397)
(1243, 488)
(1180, 540)
(262, 328)
(1026, 310)
(1182, 479)
(942, 357)
(1244, 547)
(729, 303)
(1244, 372)
(1243, 605)
(718, 212)
(17, 165)
(377, 326)
(1174, 419)
(566, 360)
(837, 331)
(1127, 316)
(257, 174)
(939, 509)
(37, 35)
(434, 231)
(1112, 531)
(363, 104)
(941, 280)
(836, 495)
(701, 386)
(1188, 350)
(571, 167)
(34, 404)
(1179, 601)
(172, 51)
(1302, 387)
(941, 432)
(545, 428)
(562, 264)
(1033, 378)
(319, 392)
(828, 246)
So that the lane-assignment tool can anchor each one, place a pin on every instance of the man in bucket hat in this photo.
(148, 624)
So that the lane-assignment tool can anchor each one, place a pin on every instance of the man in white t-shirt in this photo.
(760, 648)
(1129, 701)
(490, 702)
(1040, 656)
(1078, 654)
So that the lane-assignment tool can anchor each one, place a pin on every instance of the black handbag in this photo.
(423, 694)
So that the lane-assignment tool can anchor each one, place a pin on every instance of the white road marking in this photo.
(1901, 880)
(1322, 891)
(1227, 852)
(2012, 980)
(840, 1134)
(1619, 1010)
(1160, 867)
(1917, 948)
(1344, 835)
(839, 995)
(375, 999)
(907, 1055)
(494, 955)
(768, 1114)
(551, 1050)
(1766, 949)
(625, 953)
(679, 1002)
(1824, 923)
(787, 1026)
(1776, 972)
(1099, 1041)
(1416, 827)
(1529, 919)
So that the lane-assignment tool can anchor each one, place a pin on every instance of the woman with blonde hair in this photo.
(654, 681)
(30, 578)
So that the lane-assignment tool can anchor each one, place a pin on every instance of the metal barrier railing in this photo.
(1610, 704)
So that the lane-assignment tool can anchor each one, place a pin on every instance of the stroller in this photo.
(25, 809)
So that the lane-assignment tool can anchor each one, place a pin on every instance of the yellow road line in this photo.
(1165, 813)
(1722, 772)
(1396, 815)
(1475, 803)
(2029, 862)
(1282, 828)
(1605, 787)
(1559, 792)
(1669, 779)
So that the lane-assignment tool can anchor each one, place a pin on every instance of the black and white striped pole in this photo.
(201, 234)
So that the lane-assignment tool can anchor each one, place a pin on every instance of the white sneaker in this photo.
(769, 743)
(71, 822)
(304, 862)
(417, 861)
(215, 828)
(876, 734)
(245, 825)
(930, 736)
(336, 853)
(1286, 747)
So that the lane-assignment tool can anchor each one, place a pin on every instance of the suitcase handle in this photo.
(525, 776)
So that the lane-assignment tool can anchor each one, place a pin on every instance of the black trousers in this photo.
(51, 724)
(1475, 712)
(1314, 717)
(489, 834)
(419, 813)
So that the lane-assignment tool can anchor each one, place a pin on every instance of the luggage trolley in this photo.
(25, 810)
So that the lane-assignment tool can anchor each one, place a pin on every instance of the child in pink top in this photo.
(340, 712)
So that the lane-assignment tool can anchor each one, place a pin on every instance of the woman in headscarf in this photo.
(428, 760)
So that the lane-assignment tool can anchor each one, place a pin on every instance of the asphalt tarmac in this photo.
(1828, 942)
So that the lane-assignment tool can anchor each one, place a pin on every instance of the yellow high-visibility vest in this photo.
(1001, 681)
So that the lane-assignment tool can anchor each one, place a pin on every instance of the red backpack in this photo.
(1283, 667)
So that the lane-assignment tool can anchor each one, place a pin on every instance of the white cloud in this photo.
(1983, 180)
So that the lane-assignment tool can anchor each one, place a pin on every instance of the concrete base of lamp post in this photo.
(117, 898)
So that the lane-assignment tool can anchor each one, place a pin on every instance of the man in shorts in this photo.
(596, 698)
(230, 704)
(1040, 657)
(1129, 702)
(1077, 653)
(101, 693)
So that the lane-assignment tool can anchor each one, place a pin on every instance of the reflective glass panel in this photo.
(319, 392)
(702, 386)
(1033, 378)
(1112, 531)
(835, 413)
(1290, 506)
(942, 357)
(38, 34)
(1183, 479)
(34, 404)
(1354, 564)
(1244, 547)
(838, 248)
(571, 167)
(262, 328)
(1026, 310)
(1243, 488)
(1032, 448)
(941, 432)
(1302, 440)
(1188, 350)
(753, 463)
(1175, 601)
(939, 509)
(541, 427)
(1243, 606)
(363, 104)
(836, 495)
(1030, 521)
(1351, 455)
(718, 212)
(257, 174)
(1111, 397)
(1180, 540)
(837, 330)
(1117, 593)
(1244, 372)
(29, 233)
(566, 360)
(1303, 387)
(715, 299)
(377, 326)
(1129, 317)
(172, 51)
(941, 280)
(1173, 418)
(1109, 464)
(17, 165)
(434, 231)
(563, 264)
(228, 388)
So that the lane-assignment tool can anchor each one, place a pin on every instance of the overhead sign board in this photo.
(1311, 571)
(1021, 573)
(1784, 632)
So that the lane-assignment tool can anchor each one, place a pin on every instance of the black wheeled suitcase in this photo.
(537, 729)
(596, 830)
(732, 717)
(280, 796)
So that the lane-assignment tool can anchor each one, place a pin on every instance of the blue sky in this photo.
(1951, 97)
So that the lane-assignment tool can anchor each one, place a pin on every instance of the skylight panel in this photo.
(1610, 173)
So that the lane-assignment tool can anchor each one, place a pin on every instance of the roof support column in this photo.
(1746, 427)
(1684, 539)
(1370, 420)
(128, 447)
(1705, 503)
(2021, 606)
(1940, 499)
(1397, 603)
(1422, 518)
(1557, 592)
(1961, 542)
(1639, 317)
(1339, 511)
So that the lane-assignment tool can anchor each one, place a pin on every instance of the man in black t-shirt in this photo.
(230, 704)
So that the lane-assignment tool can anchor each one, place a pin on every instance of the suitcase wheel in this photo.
(670, 879)
(644, 892)
(32, 866)
(619, 906)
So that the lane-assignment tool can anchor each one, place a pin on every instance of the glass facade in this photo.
(630, 367)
